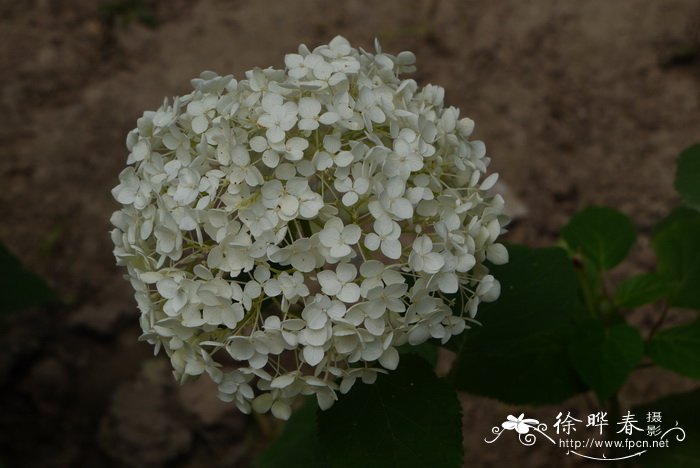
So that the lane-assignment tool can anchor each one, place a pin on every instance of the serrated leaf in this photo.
(298, 445)
(604, 357)
(678, 349)
(407, 418)
(677, 246)
(683, 409)
(641, 289)
(601, 234)
(521, 347)
(688, 176)
(20, 288)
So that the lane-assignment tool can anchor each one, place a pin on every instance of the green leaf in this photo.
(641, 289)
(407, 418)
(604, 357)
(601, 234)
(298, 445)
(677, 246)
(428, 351)
(688, 176)
(678, 349)
(519, 354)
(20, 288)
(677, 215)
(682, 409)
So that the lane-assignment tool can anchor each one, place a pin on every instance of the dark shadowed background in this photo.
(578, 102)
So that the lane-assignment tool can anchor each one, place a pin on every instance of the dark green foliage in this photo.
(20, 288)
(678, 349)
(428, 351)
(521, 347)
(682, 409)
(641, 289)
(604, 357)
(298, 445)
(408, 418)
(688, 176)
(677, 246)
(601, 234)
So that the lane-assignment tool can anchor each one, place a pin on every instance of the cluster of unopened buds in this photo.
(286, 233)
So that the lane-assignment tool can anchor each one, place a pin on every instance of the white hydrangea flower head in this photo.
(287, 232)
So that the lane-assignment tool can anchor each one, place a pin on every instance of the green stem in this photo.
(659, 322)
(588, 296)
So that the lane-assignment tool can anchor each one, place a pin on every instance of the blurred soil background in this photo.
(578, 102)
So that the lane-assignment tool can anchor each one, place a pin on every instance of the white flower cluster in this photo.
(286, 232)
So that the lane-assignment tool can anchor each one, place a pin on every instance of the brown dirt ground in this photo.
(579, 103)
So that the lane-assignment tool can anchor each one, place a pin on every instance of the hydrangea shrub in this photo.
(285, 233)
